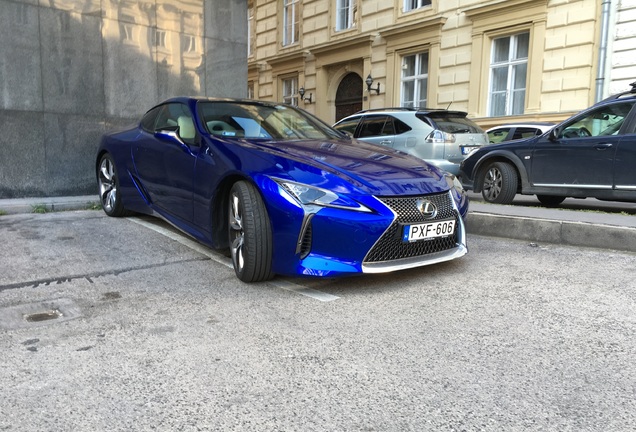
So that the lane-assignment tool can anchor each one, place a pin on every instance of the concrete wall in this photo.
(73, 69)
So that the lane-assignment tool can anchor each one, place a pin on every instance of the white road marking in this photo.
(308, 292)
(216, 257)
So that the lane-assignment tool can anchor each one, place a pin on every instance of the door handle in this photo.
(603, 146)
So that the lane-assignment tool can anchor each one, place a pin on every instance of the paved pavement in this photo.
(575, 223)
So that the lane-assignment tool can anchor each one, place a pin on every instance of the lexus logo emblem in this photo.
(427, 208)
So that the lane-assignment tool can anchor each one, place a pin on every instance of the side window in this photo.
(498, 135)
(602, 121)
(525, 132)
(177, 117)
(149, 119)
(400, 127)
(372, 126)
(348, 126)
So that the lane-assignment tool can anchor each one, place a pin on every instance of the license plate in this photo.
(466, 150)
(426, 231)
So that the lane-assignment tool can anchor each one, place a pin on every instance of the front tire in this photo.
(250, 234)
(550, 200)
(108, 182)
(499, 183)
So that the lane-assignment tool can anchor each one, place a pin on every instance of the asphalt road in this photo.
(134, 327)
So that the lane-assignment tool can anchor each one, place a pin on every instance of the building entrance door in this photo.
(349, 95)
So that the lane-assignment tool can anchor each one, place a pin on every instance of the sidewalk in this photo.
(48, 204)
(533, 224)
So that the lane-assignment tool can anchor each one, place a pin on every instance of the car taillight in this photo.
(438, 136)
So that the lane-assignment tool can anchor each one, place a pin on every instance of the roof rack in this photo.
(632, 91)
(400, 109)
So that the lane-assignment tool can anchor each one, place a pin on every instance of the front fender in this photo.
(504, 156)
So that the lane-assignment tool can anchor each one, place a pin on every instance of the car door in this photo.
(165, 164)
(581, 151)
(372, 130)
(625, 159)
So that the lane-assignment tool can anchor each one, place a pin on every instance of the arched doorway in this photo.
(349, 95)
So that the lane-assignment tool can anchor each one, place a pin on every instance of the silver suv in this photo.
(441, 137)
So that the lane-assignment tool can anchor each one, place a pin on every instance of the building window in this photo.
(409, 5)
(345, 14)
(250, 31)
(250, 89)
(189, 43)
(160, 38)
(414, 80)
(127, 28)
(290, 91)
(291, 15)
(508, 71)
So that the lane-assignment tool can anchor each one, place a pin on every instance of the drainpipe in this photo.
(602, 51)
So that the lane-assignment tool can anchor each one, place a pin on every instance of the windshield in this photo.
(256, 120)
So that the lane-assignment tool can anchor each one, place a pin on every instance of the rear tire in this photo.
(108, 182)
(499, 184)
(249, 234)
(550, 200)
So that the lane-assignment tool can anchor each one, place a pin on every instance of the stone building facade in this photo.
(499, 60)
(72, 69)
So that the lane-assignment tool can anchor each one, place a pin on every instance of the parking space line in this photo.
(216, 257)
(180, 238)
(308, 292)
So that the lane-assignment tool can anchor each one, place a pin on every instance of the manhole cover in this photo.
(43, 316)
(37, 314)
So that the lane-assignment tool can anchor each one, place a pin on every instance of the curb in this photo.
(48, 204)
(562, 232)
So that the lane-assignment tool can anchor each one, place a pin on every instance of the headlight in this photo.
(453, 182)
(310, 195)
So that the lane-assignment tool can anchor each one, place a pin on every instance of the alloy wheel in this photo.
(107, 185)
(492, 183)
(237, 234)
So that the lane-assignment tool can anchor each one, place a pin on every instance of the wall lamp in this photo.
(369, 81)
(301, 92)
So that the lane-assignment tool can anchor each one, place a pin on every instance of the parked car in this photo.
(592, 154)
(280, 190)
(440, 137)
(515, 131)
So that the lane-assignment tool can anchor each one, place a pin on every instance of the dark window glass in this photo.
(149, 120)
(602, 121)
(177, 117)
(348, 125)
(525, 132)
(400, 127)
(372, 126)
(453, 123)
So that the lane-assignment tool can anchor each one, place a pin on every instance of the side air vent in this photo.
(304, 240)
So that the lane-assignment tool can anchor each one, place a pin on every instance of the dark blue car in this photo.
(592, 154)
(281, 190)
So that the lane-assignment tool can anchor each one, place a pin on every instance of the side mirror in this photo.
(170, 136)
(554, 134)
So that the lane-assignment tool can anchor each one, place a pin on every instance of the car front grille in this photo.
(391, 247)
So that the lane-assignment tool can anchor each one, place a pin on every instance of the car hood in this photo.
(372, 169)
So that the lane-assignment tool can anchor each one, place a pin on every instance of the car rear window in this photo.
(455, 123)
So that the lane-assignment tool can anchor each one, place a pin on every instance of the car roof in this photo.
(538, 125)
(626, 94)
(193, 99)
(424, 111)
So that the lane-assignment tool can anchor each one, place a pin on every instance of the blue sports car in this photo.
(281, 190)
